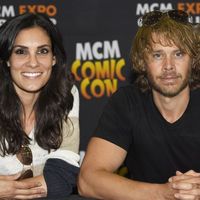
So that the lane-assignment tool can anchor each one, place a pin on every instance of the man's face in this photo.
(168, 69)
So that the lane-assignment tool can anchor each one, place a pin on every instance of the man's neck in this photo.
(172, 108)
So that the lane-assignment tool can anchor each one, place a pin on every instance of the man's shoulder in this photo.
(130, 91)
(128, 96)
(197, 90)
(195, 95)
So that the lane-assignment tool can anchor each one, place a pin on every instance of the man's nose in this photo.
(169, 63)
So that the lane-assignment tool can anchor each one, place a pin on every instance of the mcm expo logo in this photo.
(7, 11)
(192, 8)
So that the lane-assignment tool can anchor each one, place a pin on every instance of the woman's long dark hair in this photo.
(55, 99)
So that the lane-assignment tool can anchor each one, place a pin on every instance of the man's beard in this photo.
(169, 90)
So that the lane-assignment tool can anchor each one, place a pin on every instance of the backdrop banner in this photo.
(97, 36)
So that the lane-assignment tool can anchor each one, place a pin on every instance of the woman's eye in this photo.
(20, 51)
(43, 51)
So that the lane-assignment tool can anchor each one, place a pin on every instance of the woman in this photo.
(39, 128)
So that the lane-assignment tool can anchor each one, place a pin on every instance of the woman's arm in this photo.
(58, 179)
(62, 166)
(10, 188)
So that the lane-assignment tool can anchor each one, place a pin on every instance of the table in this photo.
(71, 197)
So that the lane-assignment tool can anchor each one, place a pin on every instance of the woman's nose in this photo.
(33, 61)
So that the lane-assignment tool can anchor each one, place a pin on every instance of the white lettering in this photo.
(96, 46)
(7, 11)
(2, 21)
(111, 51)
(99, 50)
(166, 7)
(141, 9)
(83, 52)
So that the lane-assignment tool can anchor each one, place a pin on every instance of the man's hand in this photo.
(187, 185)
(12, 189)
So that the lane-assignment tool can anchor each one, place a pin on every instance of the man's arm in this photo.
(98, 180)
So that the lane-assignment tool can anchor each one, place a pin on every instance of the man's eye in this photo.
(156, 55)
(179, 54)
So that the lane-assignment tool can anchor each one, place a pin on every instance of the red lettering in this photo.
(31, 8)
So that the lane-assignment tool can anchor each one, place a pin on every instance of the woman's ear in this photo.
(8, 63)
(54, 60)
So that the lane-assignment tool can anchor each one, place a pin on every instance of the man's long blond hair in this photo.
(180, 34)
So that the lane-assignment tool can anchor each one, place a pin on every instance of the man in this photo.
(152, 126)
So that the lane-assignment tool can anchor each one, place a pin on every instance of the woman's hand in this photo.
(12, 189)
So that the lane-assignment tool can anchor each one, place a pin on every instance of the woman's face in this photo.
(31, 60)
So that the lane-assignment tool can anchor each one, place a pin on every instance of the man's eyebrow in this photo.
(156, 50)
